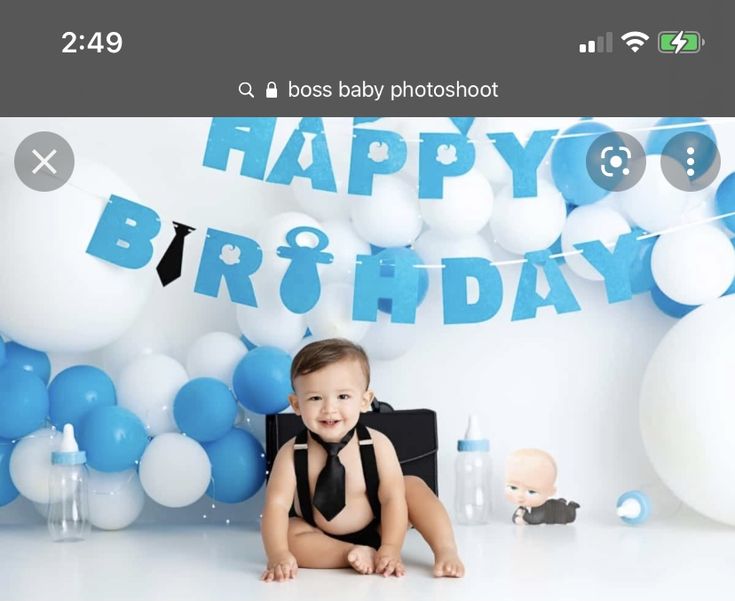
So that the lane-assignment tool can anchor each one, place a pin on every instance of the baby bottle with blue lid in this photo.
(68, 512)
(473, 475)
(649, 503)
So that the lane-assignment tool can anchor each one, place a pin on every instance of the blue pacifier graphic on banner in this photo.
(300, 288)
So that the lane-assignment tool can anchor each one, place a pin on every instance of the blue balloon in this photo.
(262, 380)
(569, 163)
(8, 492)
(238, 466)
(658, 138)
(2, 351)
(668, 306)
(725, 200)
(113, 437)
(387, 269)
(641, 276)
(75, 391)
(28, 359)
(23, 402)
(205, 409)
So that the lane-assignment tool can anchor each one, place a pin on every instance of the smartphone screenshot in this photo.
(368, 300)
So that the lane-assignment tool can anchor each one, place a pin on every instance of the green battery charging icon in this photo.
(679, 42)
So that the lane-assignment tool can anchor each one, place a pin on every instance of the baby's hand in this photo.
(280, 568)
(388, 561)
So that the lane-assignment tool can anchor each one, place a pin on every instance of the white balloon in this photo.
(345, 245)
(687, 409)
(694, 265)
(174, 470)
(390, 216)
(521, 225)
(215, 355)
(148, 387)
(332, 315)
(144, 337)
(464, 209)
(116, 499)
(387, 340)
(588, 223)
(57, 297)
(653, 203)
(270, 323)
(30, 464)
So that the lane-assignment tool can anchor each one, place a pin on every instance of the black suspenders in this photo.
(369, 470)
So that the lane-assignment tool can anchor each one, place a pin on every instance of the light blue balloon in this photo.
(23, 402)
(387, 269)
(569, 163)
(77, 390)
(238, 466)
(669, 306)
(262, 380)
(658, 138)
(8, 492)
(205, 409)
(113, 437)
(28, 359)
(725, 200)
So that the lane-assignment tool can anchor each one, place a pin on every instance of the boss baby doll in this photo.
(529, 483)
(336, 496)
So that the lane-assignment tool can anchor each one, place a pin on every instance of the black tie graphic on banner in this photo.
(169, 267)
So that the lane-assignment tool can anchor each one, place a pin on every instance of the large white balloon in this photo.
(387, 340)
(56, 296)
(174, 470)
(116, 499)
(465, 207)
(148, 387)
(687, 409)
(345, 245)
(521, 225)
(587, 223)
(653, 203)
(390, 216)
(694, 265)
(30, 464)
(270, 323)
(332, 315)
(215, 355)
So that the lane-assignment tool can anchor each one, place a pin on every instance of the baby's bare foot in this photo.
(447, 563)
(362, 559)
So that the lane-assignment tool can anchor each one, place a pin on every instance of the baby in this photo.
(336, 496)
(530, 483)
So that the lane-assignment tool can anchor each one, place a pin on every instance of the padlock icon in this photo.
(271, 91)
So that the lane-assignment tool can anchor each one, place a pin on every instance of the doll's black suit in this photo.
(554, 511)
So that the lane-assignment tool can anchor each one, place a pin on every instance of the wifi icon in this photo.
(634, 39)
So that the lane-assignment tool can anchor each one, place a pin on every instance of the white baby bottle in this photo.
(473, 476)
(68, 512)
(645, 504)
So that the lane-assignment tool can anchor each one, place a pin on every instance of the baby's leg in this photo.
(429, 517)
(314, 549)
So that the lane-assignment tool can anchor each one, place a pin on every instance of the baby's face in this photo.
(529, 480)
(331, 399)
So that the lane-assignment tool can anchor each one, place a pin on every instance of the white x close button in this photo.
(44, 161)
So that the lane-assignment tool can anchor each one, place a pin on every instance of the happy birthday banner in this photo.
(126, 229)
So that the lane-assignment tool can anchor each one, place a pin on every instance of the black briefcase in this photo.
(412, 432)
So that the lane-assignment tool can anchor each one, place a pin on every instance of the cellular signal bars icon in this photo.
(601, 44)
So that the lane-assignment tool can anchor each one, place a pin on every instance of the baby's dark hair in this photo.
(319, 354)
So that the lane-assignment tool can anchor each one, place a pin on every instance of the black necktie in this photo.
(169, 267)
(329, 494)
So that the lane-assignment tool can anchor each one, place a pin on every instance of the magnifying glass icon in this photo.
(246, 89)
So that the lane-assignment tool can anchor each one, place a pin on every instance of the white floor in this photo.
(689, 559)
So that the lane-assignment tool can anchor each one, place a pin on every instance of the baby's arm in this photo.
(274, 525)
(393, 509)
